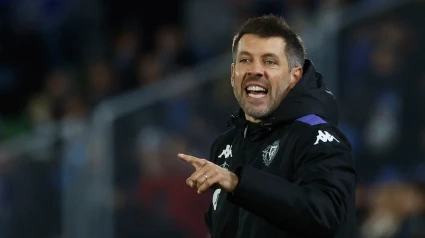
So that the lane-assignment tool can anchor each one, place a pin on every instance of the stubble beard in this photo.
(257, 113)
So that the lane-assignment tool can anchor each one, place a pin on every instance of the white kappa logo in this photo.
(226, 152)
(325, 137)
(225, 165)
(270, 152)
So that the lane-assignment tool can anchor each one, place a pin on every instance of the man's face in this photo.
(260, 75)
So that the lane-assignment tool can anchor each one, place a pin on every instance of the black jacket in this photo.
(296, 171)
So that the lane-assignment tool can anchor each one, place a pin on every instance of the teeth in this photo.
(256, 95)
(256, 88)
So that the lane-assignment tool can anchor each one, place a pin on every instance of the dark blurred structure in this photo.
(98, 97)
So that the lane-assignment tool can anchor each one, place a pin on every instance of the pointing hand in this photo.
(207, 174)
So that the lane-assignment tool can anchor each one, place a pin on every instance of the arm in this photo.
(315, 203)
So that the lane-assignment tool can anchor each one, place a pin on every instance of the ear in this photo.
(296, 75)
(232, 77)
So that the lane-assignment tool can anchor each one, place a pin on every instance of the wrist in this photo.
(235, 181)
(237, 177)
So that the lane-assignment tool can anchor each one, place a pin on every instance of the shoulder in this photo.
(320, 141)
(316, 130)
(311, 120)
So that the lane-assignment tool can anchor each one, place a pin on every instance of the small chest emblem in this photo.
(270, 152)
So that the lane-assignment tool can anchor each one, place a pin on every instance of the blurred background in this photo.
(98, 96)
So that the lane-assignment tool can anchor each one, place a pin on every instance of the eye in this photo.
(244, 60)
(270, 62)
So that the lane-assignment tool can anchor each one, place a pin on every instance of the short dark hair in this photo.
(273, 26)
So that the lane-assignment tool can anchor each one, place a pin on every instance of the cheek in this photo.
(237, 74)
(237, 79)
(281, 86)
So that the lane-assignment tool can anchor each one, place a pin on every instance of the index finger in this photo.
(194, 161)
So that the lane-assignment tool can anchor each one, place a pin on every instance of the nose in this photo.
(256, 70)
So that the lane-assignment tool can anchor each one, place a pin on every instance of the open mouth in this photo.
(256, 91)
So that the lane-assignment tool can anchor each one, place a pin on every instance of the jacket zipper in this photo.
(245, 144)
(244, 133)
(243, 162)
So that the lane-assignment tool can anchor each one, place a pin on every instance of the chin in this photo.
(257, 113)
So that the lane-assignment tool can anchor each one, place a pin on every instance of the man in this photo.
(284, 169)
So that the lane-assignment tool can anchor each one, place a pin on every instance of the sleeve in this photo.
(319, 196)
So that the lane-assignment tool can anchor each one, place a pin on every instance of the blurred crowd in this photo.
(57, 52)
(382, 104)
(60, 59)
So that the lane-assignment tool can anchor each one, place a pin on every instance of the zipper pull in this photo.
(244, 133)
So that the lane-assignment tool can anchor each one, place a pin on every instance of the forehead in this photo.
(256, 45)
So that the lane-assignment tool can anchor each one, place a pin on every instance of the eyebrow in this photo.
(264, 55)
(244, 53)
(273, 55)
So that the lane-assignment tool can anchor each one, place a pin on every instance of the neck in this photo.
(251, 119)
